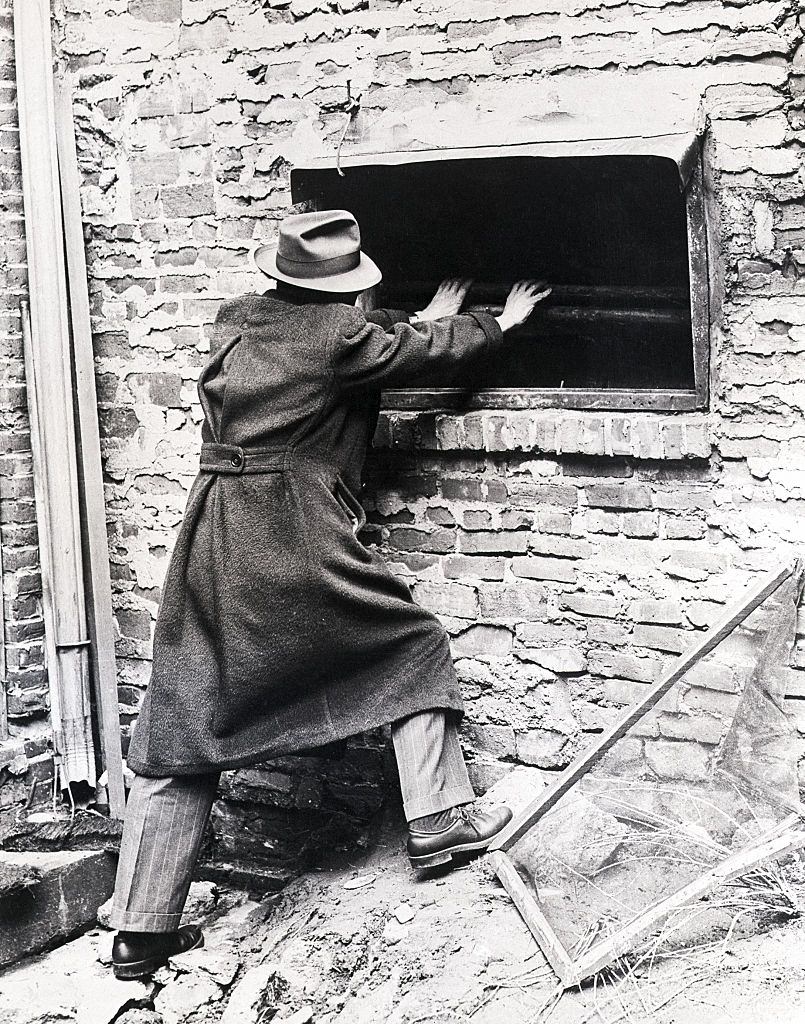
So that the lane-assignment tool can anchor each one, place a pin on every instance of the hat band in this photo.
(319, 268)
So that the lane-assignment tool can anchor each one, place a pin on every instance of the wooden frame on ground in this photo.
(783, 839)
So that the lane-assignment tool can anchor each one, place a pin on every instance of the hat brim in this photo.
(365, 275)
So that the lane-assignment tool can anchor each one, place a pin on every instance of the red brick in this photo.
(560, 547)
(554, 522)
(640, 524)
(483, 641)
(557, 569)
(665, 612)
(496, 740)
(440, 516)
(598, 521)
(474, 566)
(522, 601)
(700, 728)
(591, 604)
(448, 599)
(544, 493)
(561, 660)
(663, 638)
(624, 666)
(156, 10)
(477, 519)
(620, 496)
(407, 539)
(188, 200)
(544, 748)
(458, 489)
(493, 542)
(604, 631)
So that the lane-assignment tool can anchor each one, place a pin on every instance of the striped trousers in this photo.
(165, 820)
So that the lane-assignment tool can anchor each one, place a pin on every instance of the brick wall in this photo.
(568, 554)
(24, 756)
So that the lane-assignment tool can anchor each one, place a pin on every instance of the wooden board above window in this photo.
(620, 237)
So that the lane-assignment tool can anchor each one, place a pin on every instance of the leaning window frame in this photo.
(785, 837)
(596, 399)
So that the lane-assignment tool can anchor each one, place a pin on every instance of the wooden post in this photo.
(3, 662)
(49, 379)
(90, 472)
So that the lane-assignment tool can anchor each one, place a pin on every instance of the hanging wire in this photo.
(351, 108)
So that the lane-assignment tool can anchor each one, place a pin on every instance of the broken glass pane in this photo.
(709, 772)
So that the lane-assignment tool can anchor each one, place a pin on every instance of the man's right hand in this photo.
(520, 304)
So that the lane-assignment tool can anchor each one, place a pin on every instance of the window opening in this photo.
(620, 241)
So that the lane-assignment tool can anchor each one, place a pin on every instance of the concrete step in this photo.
(60, 901)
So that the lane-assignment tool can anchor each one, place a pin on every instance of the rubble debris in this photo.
(303, 1016)
(139, 1017)
(404, 913)
(186, 994)
(255, 992)
(359, 882)
(221, 962)
(316, 954)
(394, 931)
(583, 839)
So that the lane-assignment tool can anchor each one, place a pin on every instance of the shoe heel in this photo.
(432, 860)
(133, 972)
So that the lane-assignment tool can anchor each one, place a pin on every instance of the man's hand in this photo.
(520, 304)
(447, 301)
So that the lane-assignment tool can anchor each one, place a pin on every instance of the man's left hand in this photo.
(447, 301)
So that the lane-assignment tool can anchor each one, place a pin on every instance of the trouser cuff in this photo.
(138, 921)
(440, 801)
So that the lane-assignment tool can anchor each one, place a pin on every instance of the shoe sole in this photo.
(142, 968)
(434, 860)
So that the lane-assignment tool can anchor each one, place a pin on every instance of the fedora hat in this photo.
(321, 251)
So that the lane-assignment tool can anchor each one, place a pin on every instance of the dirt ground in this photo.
(368, 942)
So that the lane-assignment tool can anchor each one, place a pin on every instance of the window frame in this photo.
(648, 399)
(595, 399)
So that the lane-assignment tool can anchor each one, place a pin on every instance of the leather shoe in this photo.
(469, 831)
(137, 954)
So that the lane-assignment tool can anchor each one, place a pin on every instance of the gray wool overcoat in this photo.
(278, 630)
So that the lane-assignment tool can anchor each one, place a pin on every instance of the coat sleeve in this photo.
(365, 356)
(387, 318)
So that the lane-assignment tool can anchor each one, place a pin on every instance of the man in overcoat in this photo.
(278, 630)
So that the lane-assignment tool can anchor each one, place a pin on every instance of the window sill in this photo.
(641, 435)
(649, 400)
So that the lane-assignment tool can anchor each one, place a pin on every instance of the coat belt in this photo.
(231, 458)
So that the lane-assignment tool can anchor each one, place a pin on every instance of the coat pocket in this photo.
(350, 504)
